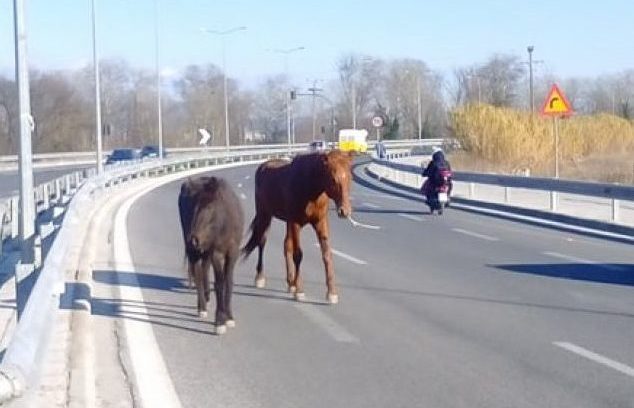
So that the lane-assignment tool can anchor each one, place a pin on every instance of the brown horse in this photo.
(298, 193)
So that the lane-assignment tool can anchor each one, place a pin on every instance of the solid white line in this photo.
(597, 358)
(152, 378)
(583, 261)
(370, 205)
(475, 234)
(410, 216)
(334, 329)
(346, 256)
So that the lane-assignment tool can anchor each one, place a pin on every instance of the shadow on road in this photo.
(617, 274)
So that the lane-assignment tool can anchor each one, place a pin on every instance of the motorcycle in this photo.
(437, 197)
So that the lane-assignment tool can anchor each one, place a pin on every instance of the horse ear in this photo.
(211, 184)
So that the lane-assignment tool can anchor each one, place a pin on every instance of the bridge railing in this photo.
(412, 175)
(19, 362)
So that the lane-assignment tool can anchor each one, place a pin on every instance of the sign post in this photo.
(556, 105)
(377, 122)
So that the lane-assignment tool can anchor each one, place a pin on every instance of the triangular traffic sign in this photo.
(556, 103)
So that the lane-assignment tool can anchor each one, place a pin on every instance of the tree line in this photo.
(412, 98)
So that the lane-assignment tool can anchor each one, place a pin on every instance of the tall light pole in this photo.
(95, 63)
(223, 35)
(26, 220)
(314, 91)
(530, 49)
(289, 108)
(420, 110)
(159, 113)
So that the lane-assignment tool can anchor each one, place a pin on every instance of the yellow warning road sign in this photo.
(556, 103)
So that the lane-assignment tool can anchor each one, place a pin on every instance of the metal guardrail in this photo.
(89, 157)
(613, 192)
(18, 366)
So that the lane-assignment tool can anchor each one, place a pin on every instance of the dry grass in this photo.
(599, 147)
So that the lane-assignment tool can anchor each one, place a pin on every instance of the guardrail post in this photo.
(46, 196)
(553, 201)
(77, 179)
(471, 190)
(58, 190)
(507, 195)
(14, 217)
(615, 209)
(37, 251)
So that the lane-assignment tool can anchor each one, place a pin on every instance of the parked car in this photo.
(122, 155)
(318, 146)
(151, 151)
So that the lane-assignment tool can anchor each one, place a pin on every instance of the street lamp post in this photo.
(95, 63)
(289, 108)
(26, 220)
(158, 78)
(530, 49)
(223, 34)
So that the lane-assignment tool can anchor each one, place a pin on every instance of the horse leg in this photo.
(219, 289)
(322, 231)
(260, 229)
(230, 263)
(295, 281)
(201, 274)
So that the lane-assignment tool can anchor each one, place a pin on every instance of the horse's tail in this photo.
(258, 228)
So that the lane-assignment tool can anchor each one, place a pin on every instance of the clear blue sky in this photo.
(574, 38)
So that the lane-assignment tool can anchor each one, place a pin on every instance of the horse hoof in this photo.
(222, 329)
(202, 314)
(300, 296)
(292, 289)
(230, 323)
(333, 299)
(260, 282)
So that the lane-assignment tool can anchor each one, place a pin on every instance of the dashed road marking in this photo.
(597, 358)
(583, 261)
(371, 205)
(247, 177)
(475, 234)
(410, 217)
(346, 256)
(243, 196)
(334, 329)
(239, 185)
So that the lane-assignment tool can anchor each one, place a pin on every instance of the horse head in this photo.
(338, 180)
(203, 216)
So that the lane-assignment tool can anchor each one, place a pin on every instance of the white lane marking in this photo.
(334, 329)
(370, 205)
(239, 185)
(597, 358)
(583, 261)
(410, 216)
(346, 256)
(242, 196)
(247, 177)
(152, 378)
(475, 234)
(382, 196)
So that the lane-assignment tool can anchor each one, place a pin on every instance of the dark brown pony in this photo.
(298, 192)
(212, 222)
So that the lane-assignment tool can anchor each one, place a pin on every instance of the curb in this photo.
(596, 228)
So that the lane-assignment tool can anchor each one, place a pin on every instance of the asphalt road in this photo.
(459, 310)
(10, 183)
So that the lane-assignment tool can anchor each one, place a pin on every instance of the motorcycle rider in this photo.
(432, 172)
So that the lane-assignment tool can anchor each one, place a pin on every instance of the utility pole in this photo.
(314, 90)
(289, 94)
(26, 220)
(157, 42)
(95, 63)
(530, 49)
